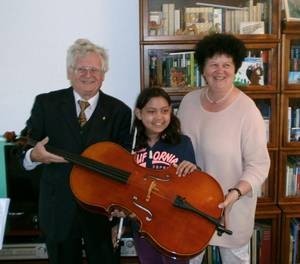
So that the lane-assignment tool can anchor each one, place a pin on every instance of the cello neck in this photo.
(96, 166)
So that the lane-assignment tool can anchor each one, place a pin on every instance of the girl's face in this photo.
(155, 116)
(219, 72)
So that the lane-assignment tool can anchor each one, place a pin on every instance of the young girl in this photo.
(158, 143)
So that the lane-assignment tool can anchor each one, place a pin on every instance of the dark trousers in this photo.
(96, 234)
(96, 231)
(68, 251)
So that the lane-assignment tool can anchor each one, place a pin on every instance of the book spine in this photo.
(165, 13)
(171, 12)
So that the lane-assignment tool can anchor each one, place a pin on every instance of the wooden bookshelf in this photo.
(165, 45)
(289, 168)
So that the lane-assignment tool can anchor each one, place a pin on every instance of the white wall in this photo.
(35, 35)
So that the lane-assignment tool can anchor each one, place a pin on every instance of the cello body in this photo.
(150, 195)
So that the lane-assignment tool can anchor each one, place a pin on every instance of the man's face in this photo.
(87, 76)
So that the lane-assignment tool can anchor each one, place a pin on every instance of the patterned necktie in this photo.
(82, 118)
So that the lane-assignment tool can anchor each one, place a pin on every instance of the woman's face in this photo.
(219, 71)
(155, 116)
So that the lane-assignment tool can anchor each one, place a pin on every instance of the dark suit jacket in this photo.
(54, 115)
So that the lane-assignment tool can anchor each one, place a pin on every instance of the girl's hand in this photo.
(119, 213)
(184, 168)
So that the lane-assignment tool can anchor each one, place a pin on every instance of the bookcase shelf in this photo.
(188, 20)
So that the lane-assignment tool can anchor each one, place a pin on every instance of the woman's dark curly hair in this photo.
(218, 43)
(170, 135)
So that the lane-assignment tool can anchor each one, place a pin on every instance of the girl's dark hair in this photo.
(170, 135)
(220, 44)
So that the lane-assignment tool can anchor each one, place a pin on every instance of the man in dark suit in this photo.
(54, 121)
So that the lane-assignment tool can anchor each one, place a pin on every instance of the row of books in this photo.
(212, 255)
(264, 105)
(178, 69)
(293, 123)
(204, 18)
(295, 52)
(260, 245)
(294, 72)
(294, 251)
(174, 69)
(292, 186)
(294, 76)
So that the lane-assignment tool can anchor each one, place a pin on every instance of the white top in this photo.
(230, 145)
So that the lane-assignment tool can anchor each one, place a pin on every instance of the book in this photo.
(171, 14)
(289, 181)
(218, 26)
(250, 73)
(264, 243)
(155, 23)
(252, 27)
(219, 5)
(294, 77)
(289, 123)
(265, 58)
(253, 247)
(295, 233)
(200, 17)
(165, 19)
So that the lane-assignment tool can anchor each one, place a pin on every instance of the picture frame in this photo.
(292, 10)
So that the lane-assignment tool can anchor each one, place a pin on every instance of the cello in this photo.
(178, 214)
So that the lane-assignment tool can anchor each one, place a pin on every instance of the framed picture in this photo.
(292, 10)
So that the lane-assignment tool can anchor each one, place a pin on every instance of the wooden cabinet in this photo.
(169, 31)
(265, 241)
(289, 156)
(290, 234)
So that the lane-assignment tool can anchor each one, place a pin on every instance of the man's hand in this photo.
(40, 154)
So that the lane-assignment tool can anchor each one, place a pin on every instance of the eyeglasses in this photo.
(85, 70)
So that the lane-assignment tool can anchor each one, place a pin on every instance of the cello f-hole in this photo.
(150, 215)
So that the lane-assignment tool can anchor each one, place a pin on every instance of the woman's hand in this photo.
(184, 168)
(232, 196)
(230, 199)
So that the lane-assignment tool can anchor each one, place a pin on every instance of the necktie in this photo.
(82, 118)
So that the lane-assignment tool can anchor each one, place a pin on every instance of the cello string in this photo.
(109, 171)
(116, 174)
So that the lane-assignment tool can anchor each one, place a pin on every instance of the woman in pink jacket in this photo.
(229, 138)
